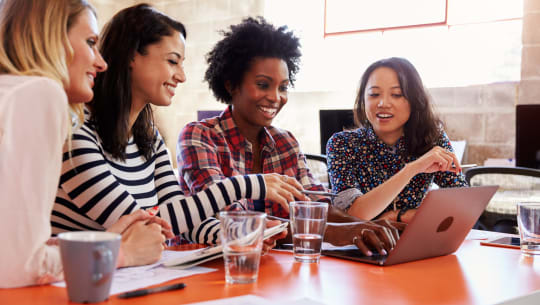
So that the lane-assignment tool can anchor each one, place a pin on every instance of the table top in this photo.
(475, 274)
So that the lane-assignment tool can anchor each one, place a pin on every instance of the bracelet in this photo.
(400, 213)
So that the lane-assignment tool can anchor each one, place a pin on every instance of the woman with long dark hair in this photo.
(384, 168)
(118, 162)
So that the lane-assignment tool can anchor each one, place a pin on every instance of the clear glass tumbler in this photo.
(528, 218)
(308, 223)
(242, 238)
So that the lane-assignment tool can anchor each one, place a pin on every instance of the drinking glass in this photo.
(528, 218)
(242, 240)
(308, 223)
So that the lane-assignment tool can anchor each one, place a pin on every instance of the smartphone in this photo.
(506, 242)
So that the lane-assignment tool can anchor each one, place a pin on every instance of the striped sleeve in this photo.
(195, 210)
(96, 190)
(90, 196)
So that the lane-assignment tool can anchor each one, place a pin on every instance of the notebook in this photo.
(439, 227)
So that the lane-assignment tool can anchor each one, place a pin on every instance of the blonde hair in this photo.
(34, 38)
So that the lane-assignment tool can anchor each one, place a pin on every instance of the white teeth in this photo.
(91, 77)
(384, 115)
(268, 110)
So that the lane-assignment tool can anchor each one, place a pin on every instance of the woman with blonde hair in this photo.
(47, 70)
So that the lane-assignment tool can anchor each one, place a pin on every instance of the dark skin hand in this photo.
(405, 217)
(380, 235)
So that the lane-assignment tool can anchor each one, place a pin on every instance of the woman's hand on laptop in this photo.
(365, 235)
(399, 226)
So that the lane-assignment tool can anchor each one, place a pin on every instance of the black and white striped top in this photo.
(95, 190)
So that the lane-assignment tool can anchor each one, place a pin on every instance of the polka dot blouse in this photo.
(359, 161)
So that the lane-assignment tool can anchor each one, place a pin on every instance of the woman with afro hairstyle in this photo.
(250, 70)
(118, 162)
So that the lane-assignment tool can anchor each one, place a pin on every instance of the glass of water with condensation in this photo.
(308, 223)
(242, 240)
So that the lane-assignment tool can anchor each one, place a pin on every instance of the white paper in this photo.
(131, 278)
(250, 299)
(241, 300)
(528, 299)
(329, 246)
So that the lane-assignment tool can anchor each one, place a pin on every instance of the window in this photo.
(474, 46)
(342, 16)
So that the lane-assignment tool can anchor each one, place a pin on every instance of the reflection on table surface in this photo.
(473, 275)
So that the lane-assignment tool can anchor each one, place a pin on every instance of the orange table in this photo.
(475, 274)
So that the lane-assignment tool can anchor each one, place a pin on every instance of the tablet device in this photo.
(210, 253)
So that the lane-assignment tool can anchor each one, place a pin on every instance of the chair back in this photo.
(332, 121)
(528, 136)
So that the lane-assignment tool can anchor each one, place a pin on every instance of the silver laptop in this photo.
(440, 225)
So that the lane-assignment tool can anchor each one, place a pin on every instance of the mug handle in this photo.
(103, 264)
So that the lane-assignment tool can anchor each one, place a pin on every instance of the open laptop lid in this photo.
(440, 225)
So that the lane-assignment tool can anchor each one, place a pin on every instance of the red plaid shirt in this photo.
(213, 149)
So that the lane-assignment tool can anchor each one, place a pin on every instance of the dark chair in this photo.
(516, 184)
(332, 121)
(527, 136)
(318, 168)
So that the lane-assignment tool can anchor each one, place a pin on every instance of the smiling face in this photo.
(87, 61)
(261, 95)
(386, 108)
(155, 74)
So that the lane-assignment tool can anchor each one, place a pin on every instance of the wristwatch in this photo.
(400, 213)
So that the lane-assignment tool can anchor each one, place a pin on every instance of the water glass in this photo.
(528, 218)
(308, 223)
(242, 239)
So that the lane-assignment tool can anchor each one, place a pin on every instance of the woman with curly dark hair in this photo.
(384, 168)
(251, 69)
(118, 162)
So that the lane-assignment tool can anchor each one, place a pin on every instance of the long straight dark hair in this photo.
(422, 130)
(130, 30)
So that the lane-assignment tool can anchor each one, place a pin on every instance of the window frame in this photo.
(409, 26)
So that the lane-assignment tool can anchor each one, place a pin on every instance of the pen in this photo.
(319, 193)
(141, 292)
(467, 165)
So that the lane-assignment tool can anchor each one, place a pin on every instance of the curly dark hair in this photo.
(131, 30)
(423, 128)
(232, 56)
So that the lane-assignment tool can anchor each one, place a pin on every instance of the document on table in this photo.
(250, 299)
(528, 299)
(131, 278)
